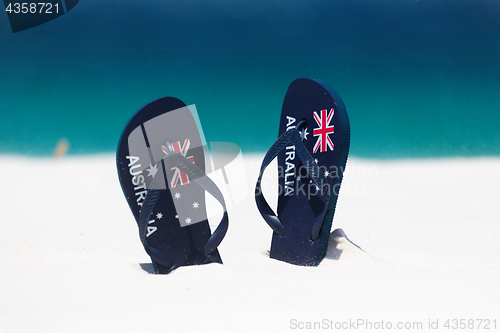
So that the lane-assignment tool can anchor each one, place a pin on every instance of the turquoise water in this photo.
(419, 78)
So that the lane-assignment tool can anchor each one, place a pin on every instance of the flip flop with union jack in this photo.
(312, 149)
(161, 166)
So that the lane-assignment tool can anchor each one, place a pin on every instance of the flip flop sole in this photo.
(177, 228)
(326, 137)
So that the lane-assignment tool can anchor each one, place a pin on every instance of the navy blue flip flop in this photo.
(161, 167)
(312, 149)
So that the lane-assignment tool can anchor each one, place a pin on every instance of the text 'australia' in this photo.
(138, 180)
(289, 161)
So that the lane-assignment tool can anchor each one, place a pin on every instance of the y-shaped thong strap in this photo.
(291, 136)
(179, 161)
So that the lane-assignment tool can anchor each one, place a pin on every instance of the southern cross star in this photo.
(152, 171)
(196, 205)
(304, 134)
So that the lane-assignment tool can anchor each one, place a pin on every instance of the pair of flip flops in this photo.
(161, 166)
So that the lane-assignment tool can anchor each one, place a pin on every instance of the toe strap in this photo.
(199, 177)
(291, 136)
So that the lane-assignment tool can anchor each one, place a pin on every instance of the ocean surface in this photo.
(419, 78)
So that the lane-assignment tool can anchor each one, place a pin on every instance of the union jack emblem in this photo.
(178, 174)
(324, 142)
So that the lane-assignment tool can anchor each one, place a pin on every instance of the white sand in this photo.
(70, 255)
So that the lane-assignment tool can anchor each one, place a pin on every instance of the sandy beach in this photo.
(418, 244)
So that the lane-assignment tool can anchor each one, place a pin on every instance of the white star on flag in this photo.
(159, 216)
(196, 205)
(304, 133)
(152, 171)
(188, 221)
(177, 195)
